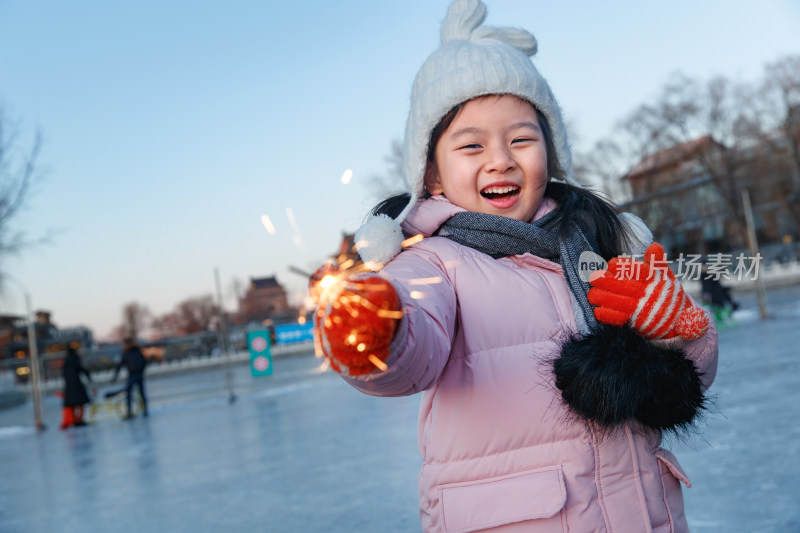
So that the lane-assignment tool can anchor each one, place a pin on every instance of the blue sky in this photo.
(170, 128)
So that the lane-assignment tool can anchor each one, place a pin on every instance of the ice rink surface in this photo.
(300, 451)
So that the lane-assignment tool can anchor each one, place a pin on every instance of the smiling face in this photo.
(492, 158)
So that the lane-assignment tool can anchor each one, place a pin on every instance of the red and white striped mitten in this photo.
(647, 297)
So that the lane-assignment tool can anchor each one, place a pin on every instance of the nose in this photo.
(499, 158)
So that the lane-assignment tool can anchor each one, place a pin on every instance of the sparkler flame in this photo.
(334, 289)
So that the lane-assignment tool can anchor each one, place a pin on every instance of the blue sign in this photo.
(260, 356)
(288, 333)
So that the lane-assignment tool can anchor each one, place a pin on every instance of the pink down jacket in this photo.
(500, 450)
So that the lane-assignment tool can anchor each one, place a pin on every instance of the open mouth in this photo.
(499, 193)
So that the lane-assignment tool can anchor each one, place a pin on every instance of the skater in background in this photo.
(717, 297)
(75, 394)
(544, 394)
(134, 362)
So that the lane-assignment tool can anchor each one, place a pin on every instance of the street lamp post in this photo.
(33, 358)
(34, 362)
(752, 242)
(222, 341)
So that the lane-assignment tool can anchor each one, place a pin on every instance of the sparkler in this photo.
(338, 285)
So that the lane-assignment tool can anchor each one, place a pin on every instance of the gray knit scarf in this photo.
(500, 236)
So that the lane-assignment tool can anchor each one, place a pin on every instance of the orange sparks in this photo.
(412, 240)
(268, 224)
(425, 281)
(377, 362)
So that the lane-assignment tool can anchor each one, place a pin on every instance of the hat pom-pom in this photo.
(379, 240)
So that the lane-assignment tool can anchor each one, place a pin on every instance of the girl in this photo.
(544, 393)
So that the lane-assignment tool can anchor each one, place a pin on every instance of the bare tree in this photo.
(779, 96)
(687, 111)
(774, 122)
(705, 125)
(602, 166)
(190, 316)
(135, 319)
(18, 171)
(391, 183)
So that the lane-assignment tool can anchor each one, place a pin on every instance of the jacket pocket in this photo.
(532, 495)
(671, 477)
(668, 460)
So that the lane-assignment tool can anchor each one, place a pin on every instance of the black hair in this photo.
(612, 236)
(392, 206)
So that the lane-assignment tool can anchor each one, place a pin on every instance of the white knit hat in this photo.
(472, 61)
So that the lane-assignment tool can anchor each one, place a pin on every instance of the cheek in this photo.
(538, 167)
(452, 173)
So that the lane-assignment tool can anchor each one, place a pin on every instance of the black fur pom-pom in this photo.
(613, 375)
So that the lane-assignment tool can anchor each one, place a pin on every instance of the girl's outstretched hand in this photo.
(647, 297)
(355, 320)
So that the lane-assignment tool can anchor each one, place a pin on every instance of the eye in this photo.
(472, 146)
(523, 140)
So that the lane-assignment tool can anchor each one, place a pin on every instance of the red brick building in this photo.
(265, 299)
(689, 195)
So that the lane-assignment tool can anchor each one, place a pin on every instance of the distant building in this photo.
(347, 249)
(689, 196)
(9, 325)
(675, 196)
(265, 299)
(51, 343)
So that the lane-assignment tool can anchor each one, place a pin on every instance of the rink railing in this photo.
(8, 381)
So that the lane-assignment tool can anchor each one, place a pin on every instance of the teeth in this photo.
(499, 190)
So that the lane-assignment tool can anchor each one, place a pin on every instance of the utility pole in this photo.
(34, 362)
(222, 340)
(752, 243)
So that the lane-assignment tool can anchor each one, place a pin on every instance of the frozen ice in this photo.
(302, 451)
